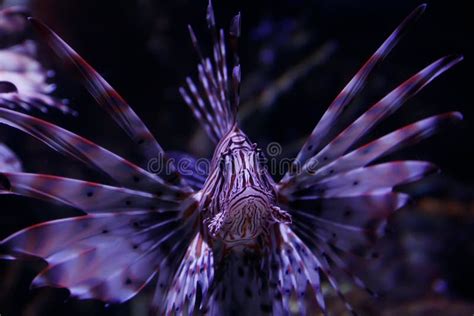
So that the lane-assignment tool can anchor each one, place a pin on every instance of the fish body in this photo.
(239, 196)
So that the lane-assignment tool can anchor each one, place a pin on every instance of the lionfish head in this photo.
(242, 204)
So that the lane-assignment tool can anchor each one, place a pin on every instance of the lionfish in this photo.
(232, 241)
(23, 79)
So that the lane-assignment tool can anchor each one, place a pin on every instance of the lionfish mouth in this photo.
(238, 241)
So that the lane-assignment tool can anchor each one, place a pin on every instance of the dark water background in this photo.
(143, 49)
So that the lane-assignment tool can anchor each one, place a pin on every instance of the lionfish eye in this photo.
(222, 163)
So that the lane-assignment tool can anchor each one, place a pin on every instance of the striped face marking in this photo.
(240, 202)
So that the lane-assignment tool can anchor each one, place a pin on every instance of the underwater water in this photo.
(424, 263)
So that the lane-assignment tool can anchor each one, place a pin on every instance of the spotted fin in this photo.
(352, 224)
(9, 162)
(331, 263)
(345, 213)
(240, 286)
(385, 107)
(87, 196)
(107, 256)
(105, 96)
(28, 101)
(192, 280)
(24, 82)
(214, 103)
(63, 141)
(295, 275)
(366, 180)
(357, 211)
(316, 140)
(300, 261)
(385, 145)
